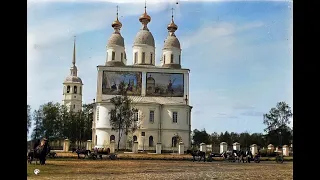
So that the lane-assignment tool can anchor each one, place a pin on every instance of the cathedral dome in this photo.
(170, 42)
(115, 40)
(144, 37)
(73, 79)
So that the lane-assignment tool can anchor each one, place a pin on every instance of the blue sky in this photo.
(239, 52)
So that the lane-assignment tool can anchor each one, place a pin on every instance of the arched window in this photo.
(112, 137)
(174, 141)
(171, 60)
(164, 59)
(96, 140)
(75, 89)
(143, 60)
(68, 89)
(151, 141)
(135, 138)
(80, 90)
(121, 56)
(135, 57)
(113, 55)
(151, 55)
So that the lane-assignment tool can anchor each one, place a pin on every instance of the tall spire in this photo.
(172, 27)
(74, 51)
(73, 69)
(117, 24)
(145, 18)
(145, 6)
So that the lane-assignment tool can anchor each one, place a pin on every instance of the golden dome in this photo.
(172, 25)
(145, 16)
(116, 23)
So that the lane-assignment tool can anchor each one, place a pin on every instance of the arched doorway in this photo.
(174, 141)
(135, 138)
(151, 141)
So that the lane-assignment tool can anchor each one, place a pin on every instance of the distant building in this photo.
(72, 87)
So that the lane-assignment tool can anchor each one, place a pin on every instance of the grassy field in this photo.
(159, 169)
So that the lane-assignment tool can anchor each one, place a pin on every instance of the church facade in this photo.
(159, 92)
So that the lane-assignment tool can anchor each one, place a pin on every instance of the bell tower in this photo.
(72, 86)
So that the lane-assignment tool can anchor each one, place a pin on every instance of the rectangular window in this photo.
(135, 57)
(174, 117)
(121, 56)
(171, 60)
(143, 133)
(136, 116)
(179, 59)
(113, 55)
(151, 116)
(143, 57)
(150, 58)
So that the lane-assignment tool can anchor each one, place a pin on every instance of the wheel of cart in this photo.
(98, 152)
(52, 155)
(93, 156)
(256, 158)
(279, 158)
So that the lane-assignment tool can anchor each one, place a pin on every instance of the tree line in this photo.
(55, 122)
(277, 131)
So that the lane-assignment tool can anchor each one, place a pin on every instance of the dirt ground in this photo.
(159, 169)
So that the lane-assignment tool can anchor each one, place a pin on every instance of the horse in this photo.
(231, 156)
(81, 151)
(39, 152)
(245, 156)
(197, 153)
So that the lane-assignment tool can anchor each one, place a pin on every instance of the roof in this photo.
(144, 37)
(170, 42)
(115, 39)
(73, 79)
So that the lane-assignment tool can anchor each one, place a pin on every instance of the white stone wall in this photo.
(103, 138)
(144, 48)
(70, 99)
(118, 50)
(102, 119)
(182, 120)
(167, 131)
(167, 53)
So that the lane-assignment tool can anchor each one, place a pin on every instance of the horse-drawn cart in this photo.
(279, 157)
(99, 152)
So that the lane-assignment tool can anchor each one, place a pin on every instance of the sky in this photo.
(239, 52)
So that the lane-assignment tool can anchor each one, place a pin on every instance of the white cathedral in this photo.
(159, 92)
